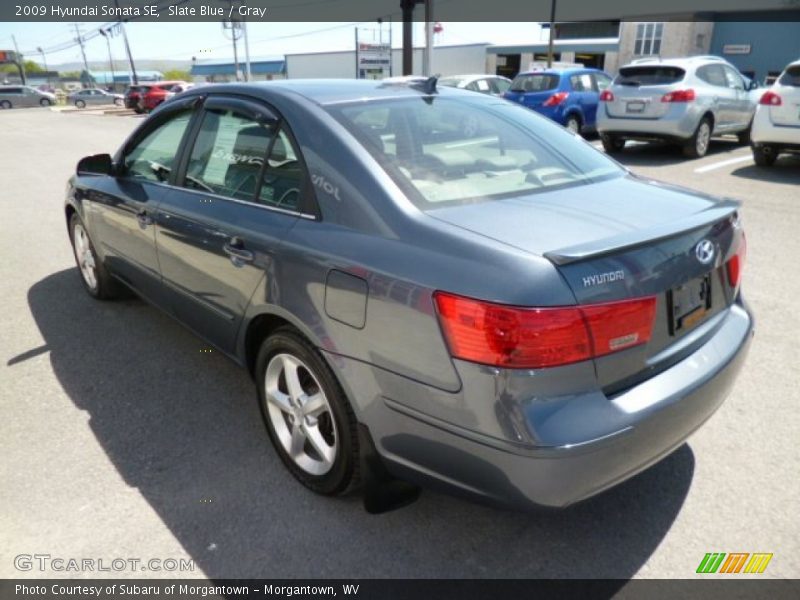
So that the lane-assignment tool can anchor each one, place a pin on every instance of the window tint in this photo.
(575, 83)
(538, 82)
(650, 75)
(581, 82)
(713, 74)
(154, 157)
(445, 151)
(791, 77)
(472, 86)
(11, 91)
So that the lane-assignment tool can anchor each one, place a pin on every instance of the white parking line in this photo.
(723, 163)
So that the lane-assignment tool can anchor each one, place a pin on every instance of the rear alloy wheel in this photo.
(45, 102)
(80, 103)
(5, 104)
(612, 144)
(96, 279)
(697, 146)
(573, 124)
(308, 417)
(764, 156)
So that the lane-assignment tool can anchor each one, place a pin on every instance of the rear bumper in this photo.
(678, 124)
(765, 132)
(611, 439)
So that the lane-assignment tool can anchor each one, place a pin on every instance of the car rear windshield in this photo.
(538, 82)
(449, 81)
(791, 76)
(650, 75)
(450, 151)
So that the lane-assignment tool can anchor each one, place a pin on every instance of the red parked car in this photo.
(153, 94)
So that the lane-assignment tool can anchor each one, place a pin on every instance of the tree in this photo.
(30, 67)
(177, 75)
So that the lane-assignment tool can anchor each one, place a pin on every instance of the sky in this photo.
(182, 41)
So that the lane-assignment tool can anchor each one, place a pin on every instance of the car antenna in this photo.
(428, 86)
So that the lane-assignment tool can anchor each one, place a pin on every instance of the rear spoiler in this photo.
(632, 239)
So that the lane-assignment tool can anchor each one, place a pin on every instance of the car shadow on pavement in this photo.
(181, 425)
(659, 154)
(786, 170)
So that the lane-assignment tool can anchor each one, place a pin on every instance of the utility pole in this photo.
(127, 47)
(407, 7)
(427, 69)
(20, 60)
(105, 34)
(552, 33)
(44, 60)
(247, 73)
(79, 39)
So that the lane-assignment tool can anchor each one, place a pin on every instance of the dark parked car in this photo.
(568, 96)
(505, 313)
(132, 97)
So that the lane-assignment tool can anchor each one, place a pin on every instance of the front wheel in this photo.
(45, 102)
(96, 279)
(697, 146)
(118, 101)
(764, 156)
(308, 418)
(612, 144)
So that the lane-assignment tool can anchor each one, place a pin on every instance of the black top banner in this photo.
(368, 10)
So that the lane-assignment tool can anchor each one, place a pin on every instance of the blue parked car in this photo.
(567, 96)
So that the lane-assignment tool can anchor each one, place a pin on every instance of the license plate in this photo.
(635, 107)
(689, 304)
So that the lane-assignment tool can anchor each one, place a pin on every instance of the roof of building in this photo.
(257, 67)
(104, 77)
(577, 45)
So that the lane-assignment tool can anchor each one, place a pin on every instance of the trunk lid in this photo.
(788, 88)
(638, 91)
(623, 239)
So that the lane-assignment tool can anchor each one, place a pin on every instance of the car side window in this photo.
(735, 80)
(154, 157)
(283, 180)
(471, 86)
(483, 86)
(713, 74)
(576, 83)
(228, 155)
(586, 82)
(499, 86)
(601, 81)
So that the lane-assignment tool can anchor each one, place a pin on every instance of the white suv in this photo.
(776, 127)
(680, 100)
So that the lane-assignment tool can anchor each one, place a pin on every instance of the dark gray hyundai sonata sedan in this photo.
(428, 286)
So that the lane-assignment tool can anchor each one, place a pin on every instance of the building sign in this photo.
(373, 61)
(736, 49)
(7, 56)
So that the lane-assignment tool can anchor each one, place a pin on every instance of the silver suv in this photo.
(681, 100)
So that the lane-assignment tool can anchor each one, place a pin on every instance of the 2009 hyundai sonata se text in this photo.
(428, 286)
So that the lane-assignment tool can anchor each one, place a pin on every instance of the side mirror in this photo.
(97, 164)
(753, 85)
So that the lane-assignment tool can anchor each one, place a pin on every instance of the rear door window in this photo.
(713, 74)
(536, 82)
(649, 75)
(791, 77)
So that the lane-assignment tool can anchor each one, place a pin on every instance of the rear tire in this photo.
(744, 136)
(319, 447)
(5, 104)
(764, 156)
(96, 279)
(80, 104)
(697, 146)
(45, 102)
(612, 144)
(573, 124)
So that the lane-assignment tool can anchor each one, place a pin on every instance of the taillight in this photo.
(556, 99)
(679, 96)
(735, 265)
(770, 99)
(606, 96)
(523, 337)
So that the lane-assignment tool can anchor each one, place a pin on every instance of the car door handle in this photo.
(234, 248)
(144, 219)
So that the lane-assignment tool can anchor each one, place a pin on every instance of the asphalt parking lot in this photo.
(120, 438)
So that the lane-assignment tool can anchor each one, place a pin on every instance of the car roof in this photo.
(562, 71)
(331, 91)
(680, 61)
(473, 77)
